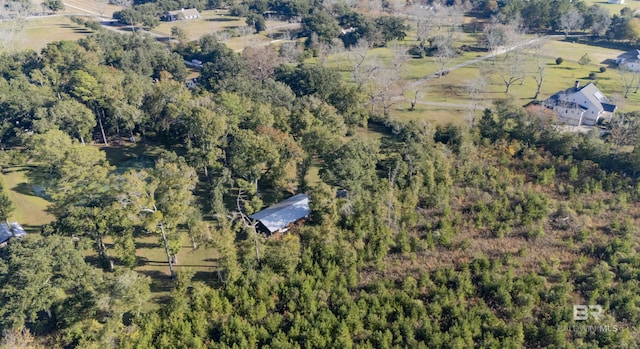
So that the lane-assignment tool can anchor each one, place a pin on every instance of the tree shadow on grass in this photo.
(209, 277)
(82, 31)
(24, 189)
(222, 19)
(160, 281)
(31, 229)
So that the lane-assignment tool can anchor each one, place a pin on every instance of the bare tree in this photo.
(362, 65)
(510, 69)
(425, 23)
(290, 51)
(538, 76)
(101, 6)
(262, 61)
(570, 21)
(623, 131)
(454, 17)
(399, 56)
(383, 86)
(629, 79)
(388, 86)
(495, 35)
(475, 88)
(444, 51)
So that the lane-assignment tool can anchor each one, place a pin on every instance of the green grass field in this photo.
(30, 209)
(209, 22)
(38, 32)
(444, 100)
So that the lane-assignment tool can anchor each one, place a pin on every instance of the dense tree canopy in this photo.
(420, 236)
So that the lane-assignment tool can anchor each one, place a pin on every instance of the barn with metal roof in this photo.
(277, 218)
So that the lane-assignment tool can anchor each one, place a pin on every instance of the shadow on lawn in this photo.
(222, 19)
(160, 281)
(31, 229)
(24, 189)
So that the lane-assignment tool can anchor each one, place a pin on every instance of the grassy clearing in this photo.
(573, 52)
(218, 20)
(152, 261)
(30, 209)
(450, 89)
(91, 7)
(131, 155)
(38, 32)
(208, 23)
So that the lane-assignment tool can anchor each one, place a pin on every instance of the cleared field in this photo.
(152, 261)
(30, 209)
(445, 100)
(219, 20)
(38, 32)
(573, 51)
(83, 7)
(101, 7)
(208, 23)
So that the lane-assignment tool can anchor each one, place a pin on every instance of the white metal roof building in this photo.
(278, 217)
(9, 231)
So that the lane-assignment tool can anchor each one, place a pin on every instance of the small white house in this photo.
(616, 1)
(182, 14)
(629, 60)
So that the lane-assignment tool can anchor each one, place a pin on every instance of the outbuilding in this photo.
(279, 217)
(9, 231)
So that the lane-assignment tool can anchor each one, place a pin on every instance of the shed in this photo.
(277, 218)
(9, 231)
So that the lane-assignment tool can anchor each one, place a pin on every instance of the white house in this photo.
(629, 60)
(182, 14)
(578, 106)
(616, 1)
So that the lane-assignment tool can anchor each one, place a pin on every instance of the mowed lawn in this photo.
(445, 100)
(30, 209)
(201, 263)
(208, 23)
(38, 32)
(218, 20)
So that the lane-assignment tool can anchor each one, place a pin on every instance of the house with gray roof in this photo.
(629, 60)
(278, 218)
(182, 14)
(9, 231)
(581, 106)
